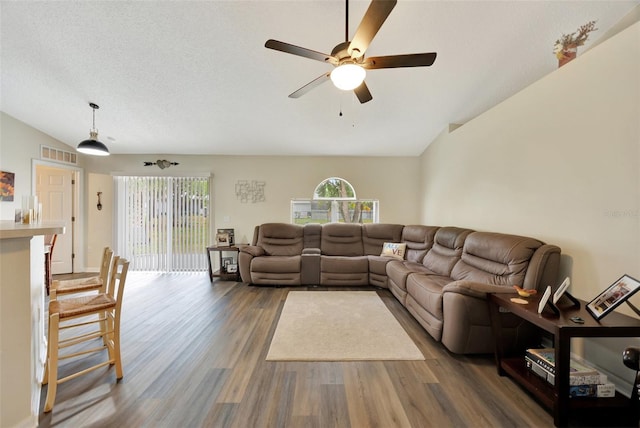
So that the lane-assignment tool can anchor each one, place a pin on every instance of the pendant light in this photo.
(92, 146)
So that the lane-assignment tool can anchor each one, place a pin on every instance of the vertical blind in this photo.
(163, 222)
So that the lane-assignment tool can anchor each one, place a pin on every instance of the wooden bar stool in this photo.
(79, 285)
(68, 314)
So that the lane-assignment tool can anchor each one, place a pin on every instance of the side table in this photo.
(222, 273)
(556, 397)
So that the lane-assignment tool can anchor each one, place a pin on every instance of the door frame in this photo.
(77, 227)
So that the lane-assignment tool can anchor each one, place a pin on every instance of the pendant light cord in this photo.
(94, 107)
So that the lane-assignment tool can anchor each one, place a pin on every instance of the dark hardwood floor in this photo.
(194, 356)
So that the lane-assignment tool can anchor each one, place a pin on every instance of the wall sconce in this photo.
(99, 203)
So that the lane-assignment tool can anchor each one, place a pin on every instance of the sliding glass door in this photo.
(163, 222)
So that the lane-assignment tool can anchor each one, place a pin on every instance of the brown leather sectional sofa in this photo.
(442, 280)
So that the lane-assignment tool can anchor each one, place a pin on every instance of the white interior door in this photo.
(54, 188)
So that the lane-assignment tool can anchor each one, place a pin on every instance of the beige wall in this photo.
(559, 161)
(100, 224)
(393, 181)
(19, 145)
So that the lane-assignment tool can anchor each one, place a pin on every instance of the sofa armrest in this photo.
(476, 289)
(253, 250)
(543, 268)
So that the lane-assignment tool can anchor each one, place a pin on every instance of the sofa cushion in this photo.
(495, 258)
(446, 250)
(374, 235)
(378, 264)
(378, 270)
(276, 264)
(276, 270)
(399, 270)
(281, 239)
(394, 249)
(342, 239)
(344, 264)
(419, 240)
(426, 290)
(431, 324)
(344, 270)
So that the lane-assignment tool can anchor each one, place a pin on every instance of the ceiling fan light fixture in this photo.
(92, 146)
(348, 76)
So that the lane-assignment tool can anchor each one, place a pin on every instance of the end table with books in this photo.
(557, 397)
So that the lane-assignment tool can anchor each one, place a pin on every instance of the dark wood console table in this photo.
(222, 273)
(556, 397)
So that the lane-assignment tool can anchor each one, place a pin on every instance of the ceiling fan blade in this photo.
(394, 61)
(297, 50)
(309, 86)
(363, 94)
(373, 19)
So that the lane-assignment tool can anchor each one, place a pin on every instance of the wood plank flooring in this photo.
(194, 356)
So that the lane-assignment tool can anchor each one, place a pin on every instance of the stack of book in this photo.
(584, 381)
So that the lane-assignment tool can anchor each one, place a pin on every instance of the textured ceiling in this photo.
(194, 77)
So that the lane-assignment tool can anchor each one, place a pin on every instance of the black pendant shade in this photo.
(92, 146)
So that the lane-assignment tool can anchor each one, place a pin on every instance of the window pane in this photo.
(334, 188)
(333, 211)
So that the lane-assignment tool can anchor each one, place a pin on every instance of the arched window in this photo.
(334, 201)
(335, 188)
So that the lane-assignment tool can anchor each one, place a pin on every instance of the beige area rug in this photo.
(339, 326)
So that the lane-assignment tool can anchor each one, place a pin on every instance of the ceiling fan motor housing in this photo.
(341, 52)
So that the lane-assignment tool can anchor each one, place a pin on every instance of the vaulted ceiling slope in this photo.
(195, 78)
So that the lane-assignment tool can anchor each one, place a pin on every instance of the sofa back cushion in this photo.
(374, 235)
(419, 240)
(312, 233)
(446, 250)
(281, 239)
(495, 258)
(342, 239)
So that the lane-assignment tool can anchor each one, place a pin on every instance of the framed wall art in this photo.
(7, 185)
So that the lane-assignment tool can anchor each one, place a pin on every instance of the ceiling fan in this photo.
(348, 57)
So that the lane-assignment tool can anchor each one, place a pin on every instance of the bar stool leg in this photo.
(116, 348)
(52, 362)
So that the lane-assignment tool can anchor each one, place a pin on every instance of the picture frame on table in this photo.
(222, 239)
(226, 261)
(232, 268)
(613, 296)
(544, 301)
(230, 233)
